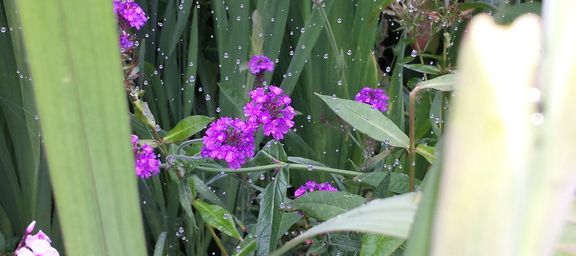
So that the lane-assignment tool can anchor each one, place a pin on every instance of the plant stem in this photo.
(217, 241)
(411, 134)
(280, 165)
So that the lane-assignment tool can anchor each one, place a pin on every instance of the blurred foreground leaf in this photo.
(73, 53)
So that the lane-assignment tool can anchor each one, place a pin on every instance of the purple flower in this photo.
(147, 163)
(125, 42)
(35, 245)
(311, 186)
(260, 63)
(231, 140)
(130, 12)
(374, 97)
(271, 108)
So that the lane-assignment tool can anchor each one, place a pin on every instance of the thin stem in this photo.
(411, 134)
(280, 165)
(217, 241)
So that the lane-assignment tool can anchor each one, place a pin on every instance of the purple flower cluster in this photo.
(147, 163)
(231, 140)
(130, 12)
(35, 245)
(130, 15)
(271, 108)
(374, 97)
(311, 186)
(259, 64)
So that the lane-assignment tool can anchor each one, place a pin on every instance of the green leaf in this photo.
(144, 114)
(419, 241)
(367, 120)
(427, 152)
(508, 13)
(422, 68)
(288, 219)
(391, 216)
(218, 218)
(81, 100)
(205, 192)
(442, 83)
(186, 194)
(304, 48)
(159, 248)
(247, 247)
(270, 214)
(398, 181)
(323, 205)
(379, 245)
(186, 128)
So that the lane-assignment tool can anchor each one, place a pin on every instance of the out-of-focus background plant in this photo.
(490, 162)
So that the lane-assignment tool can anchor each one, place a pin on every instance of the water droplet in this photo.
(208, 98)
(309, 117)
(537, 118)
(325, 56)
(218, 110)
(310, 167)
(339, 20)
(238, 248)
(157, 128)
(225, 55)
(227, 216)
(3, 29)
(413, 54)
(349, 52)
(262, 177)
(282, 205)
(388, 69)
(340, 82)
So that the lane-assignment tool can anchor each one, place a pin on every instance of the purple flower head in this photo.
(35, 245)
(260, 63)
(311, 186)
(231, 140)
(125, 42)
(147, 163)
(374, 97)
(271, 108)
(130, 12)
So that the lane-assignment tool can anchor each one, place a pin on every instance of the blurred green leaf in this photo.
(427, 152)
(159, 247)
(84, 118)
(218, 218)
(441, 83)
(508, 13)
(391, 216)
(398, 181)
(323, 205)
(380, 245)
(425, 69)
(186, 128)
(367, 120)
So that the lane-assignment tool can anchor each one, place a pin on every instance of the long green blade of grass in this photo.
(74, 59)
